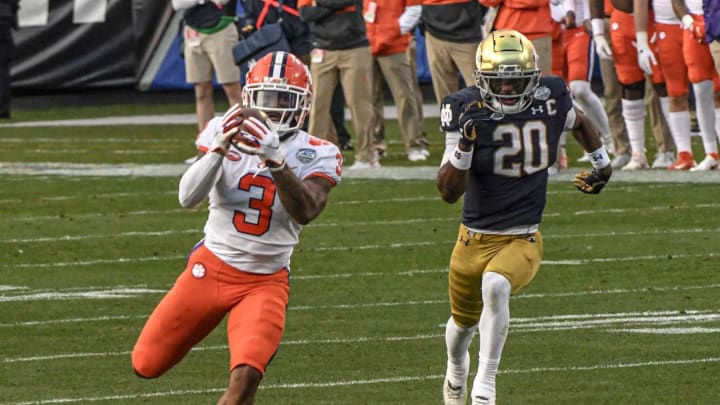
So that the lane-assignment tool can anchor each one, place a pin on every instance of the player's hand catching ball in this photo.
(257, 138)
(229, 126)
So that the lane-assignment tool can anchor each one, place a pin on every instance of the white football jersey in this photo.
(664, 13)
(247, 226)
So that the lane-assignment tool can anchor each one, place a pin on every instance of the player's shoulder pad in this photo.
(552, 87)
(454, 104)
(304, 141)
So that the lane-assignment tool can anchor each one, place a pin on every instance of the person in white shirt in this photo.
(265, 179)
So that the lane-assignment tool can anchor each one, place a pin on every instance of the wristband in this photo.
(599, 158)
(461, 160)
(598, 26)
(641, 38)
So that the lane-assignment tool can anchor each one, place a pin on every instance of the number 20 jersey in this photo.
(507, 181)
(247, 225)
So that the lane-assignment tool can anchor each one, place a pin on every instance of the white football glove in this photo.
(602, 47)
(646, 58)
(698, 33)
(259, 139)
(228, 127)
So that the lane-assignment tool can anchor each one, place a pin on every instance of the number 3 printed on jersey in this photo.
(262, 205)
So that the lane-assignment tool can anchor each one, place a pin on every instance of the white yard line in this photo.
(385, 172)
(394, 379)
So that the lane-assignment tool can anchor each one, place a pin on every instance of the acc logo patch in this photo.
(542, 93)
(306, 155)
(198, 270)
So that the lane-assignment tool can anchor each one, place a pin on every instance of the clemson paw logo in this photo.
(198, 270)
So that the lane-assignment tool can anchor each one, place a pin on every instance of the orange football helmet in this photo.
(280, 85)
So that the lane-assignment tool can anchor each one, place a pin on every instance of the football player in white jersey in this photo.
(264, 179)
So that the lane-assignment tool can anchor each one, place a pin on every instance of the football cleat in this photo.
(454, 395)
(684, 161)
(416, 155)
(709, 163)
(663, 160)
(620, 160)
(638, 161)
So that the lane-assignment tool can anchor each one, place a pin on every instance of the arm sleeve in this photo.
(409, 18)
(198, 180)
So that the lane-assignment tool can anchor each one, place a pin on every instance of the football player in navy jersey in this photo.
(501, 136)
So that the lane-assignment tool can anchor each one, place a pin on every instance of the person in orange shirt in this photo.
(388, 24)
(341, 53)
(627, 49)
(577, 60)
(703, 76)
(532, 19)
(668, 45)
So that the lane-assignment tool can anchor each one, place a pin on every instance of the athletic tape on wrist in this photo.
(461, 160)
(599, 158)
(598, 26)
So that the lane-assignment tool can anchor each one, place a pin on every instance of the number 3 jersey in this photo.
(247, 225)
(507, 181)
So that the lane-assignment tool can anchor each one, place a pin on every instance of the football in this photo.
(242, 137)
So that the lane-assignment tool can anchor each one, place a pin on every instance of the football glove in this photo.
(646, 57)
(697, 31)
(601, 44)
(229, 126)
(590, 182)
(258, 139)
(468, 127)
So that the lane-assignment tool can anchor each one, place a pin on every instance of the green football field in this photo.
(625, 308)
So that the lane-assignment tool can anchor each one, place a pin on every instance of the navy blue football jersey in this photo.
(507, 181)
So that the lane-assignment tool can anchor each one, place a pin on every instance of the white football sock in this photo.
(704, 107)
(494, 324)
(679, 122)
(458, 341)
(634, 113)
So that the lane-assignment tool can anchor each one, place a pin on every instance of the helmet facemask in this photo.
(286, 106)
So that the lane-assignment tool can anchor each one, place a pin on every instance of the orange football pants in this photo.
(700, 63)
(669, 46)
(203, 294)
(622, 35)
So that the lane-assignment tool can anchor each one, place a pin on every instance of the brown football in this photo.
(253, 112)
(244, 114)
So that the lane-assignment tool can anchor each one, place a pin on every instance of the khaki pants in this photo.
(543, 48)
(715, 51)
(395, 69)
(205, 53)
(353, 67)
(445, 59)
